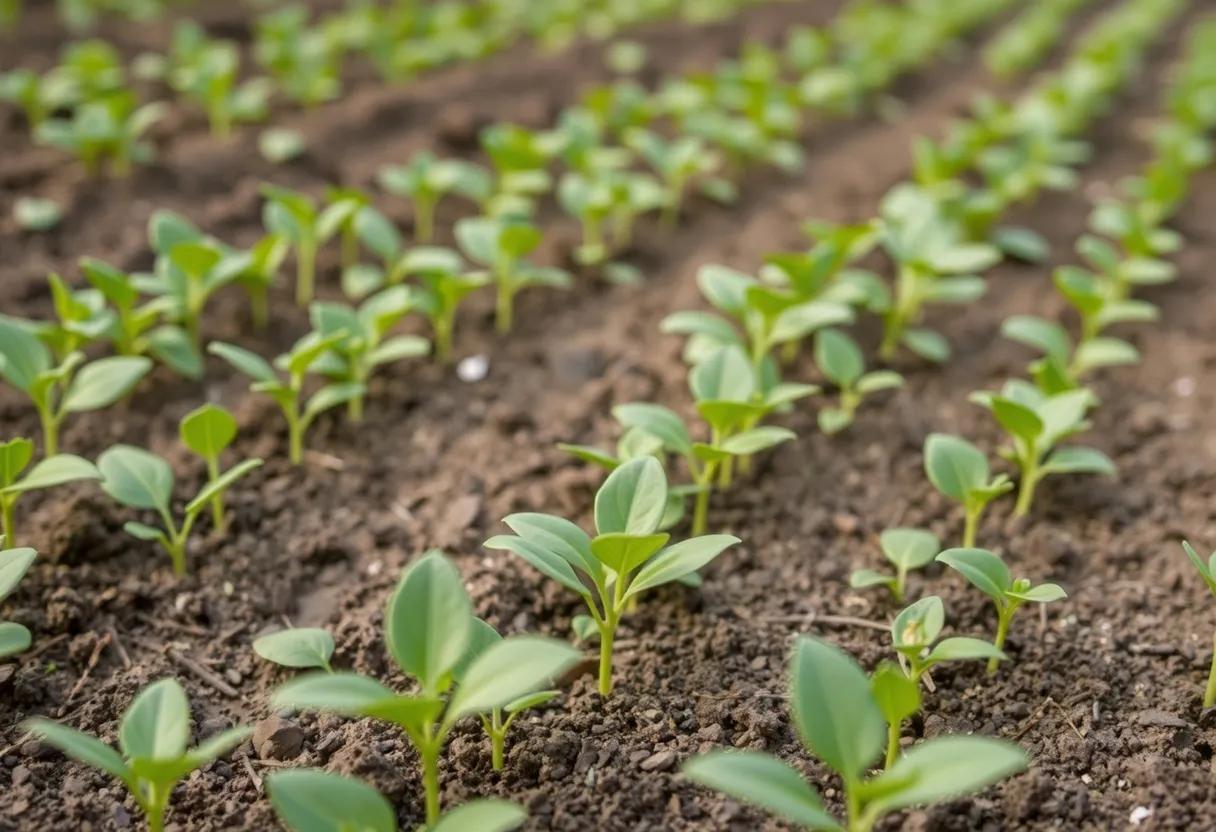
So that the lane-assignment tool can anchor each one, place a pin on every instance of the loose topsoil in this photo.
(1103, 691)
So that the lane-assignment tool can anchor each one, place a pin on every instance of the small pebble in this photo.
(474, 368)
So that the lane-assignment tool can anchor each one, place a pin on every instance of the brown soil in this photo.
(1103, 692)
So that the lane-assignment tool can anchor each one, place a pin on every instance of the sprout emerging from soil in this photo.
(627, 556)
(1208, 572)
(311, 800)
(153, 737)
(840, 360)
(906, 549)
(433, 637)
(960, 471)
(502, 246)
(914, 635)
(841, 718)
(13, 565)
(426, 180)
(989, 574)
(15, 455)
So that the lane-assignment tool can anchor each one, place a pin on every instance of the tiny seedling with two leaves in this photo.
(915, 632)
(14, 637)
(1207, 571)
(841, 362)
(989, 574)
(431, 635)
(906, 549)
(841, 718)
(311, 800)
(295, 218)
(627, 556)
(15, 456)
(299, 410)
(960, 471)
(153, 738)
(142, 480)
(427, 180)
(1036, 422)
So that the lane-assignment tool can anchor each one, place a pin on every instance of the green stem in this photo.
(1004, 618)
(607, 637)
(50, 431)
(700, 514)
(1209, 695)
(971, 526)
(443, 326)
(498, 741)
(354, 409)
(429, 751)
(671, 211)
(350, 247)
(726, 473)
(9, 527)
(424, 219)
(504, 314)
(893, 733)
(259, 307)
(295, 440)
(155, 808)
(1030, 478)
(217, 502)
(306, 268)
(789, 351)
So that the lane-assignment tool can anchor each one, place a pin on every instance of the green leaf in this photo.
(961, 648)
(208, 430)
(838, 357)
(14, 639)
(879, 380)
(954, 466)
(483, 815)
(53, 471)
(15, 454)
(961, 290)
(22, 356)
(947, 767)
(763, 780)
(136, 478)
(678, 560)
(249, 363)
(142, 531)
(622, 553)
(104, 381)
(909, 548)
(508, 670)
(428, 621)
(297, 647)
(221, 484)
(342, 693)
(1079, 460)
(1204, 569)
(80, 746)
(757, 439)
(897, 696)
(632, 498)
(173, 347)
(481, 638)
(658, 421)
(532, 700)
(918, 625)
(1105, 352)
(725, 375)
(1020, 420)
(157, 724)
(927, 344)
(13, 565)
(547, 562)
(309, 800)
(833, 709)
(865, 578)
(1047, 337)
(559, 536)
(330, 396)
(1041, 594)
(984, 570)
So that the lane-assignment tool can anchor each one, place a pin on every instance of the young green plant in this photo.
(627, 556)
(1207, 571)
(839, 719)
(989, 574)
(299, 411)
(14, 637)
(294, 217)
(914, 634)
(959, 470)
(430, 630)
(426, 180)
(841, 362)
(153, 738)
(502, 246)
(15, 456)
(906, 549)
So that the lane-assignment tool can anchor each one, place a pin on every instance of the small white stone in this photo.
(1184, 387)
(1139, 815)
(474, 368)
(229, 588)
(375, 568)
(1086, 779)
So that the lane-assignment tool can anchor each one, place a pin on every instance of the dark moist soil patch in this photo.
(1103, 692)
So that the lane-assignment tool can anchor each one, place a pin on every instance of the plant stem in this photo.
(607, 637)
(498, 740)
(503, 313)
(1030, 478)
(1209, 695)
(154, 808)
(892, 744)
(259, 306)
(429, 751)
(217, 502)
(295, 440)
(1004, 617)
(9, 527)
(700, 515)
(424, 219)
(725, 473)
(443, 326)
(306, 267)
(50, 431)
(354, 409)
(350, 247)
(971, 526)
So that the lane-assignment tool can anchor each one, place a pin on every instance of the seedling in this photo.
(69, 386)
(959, 470)
(429, 630)
(142, 480)
(444, 287)
(299, 411)
(35, 214)
(137, 328)
(208, 431)
(427, 180)
(501, 246)
(14, 638)
(1036, 422)
(589, 200)
(627, 556)
(898, 699)
(107, 129)
(311, 800)
(152, 737)
(914, 634)
(362, 346)
(935, 264)
(15, 455)
(520, 158)
(841, 362)
(294, 217)
(988, 573)
(260, 273)
(351, 216)
(906, 549)
(303, 59)
(81, 319)
(498, 721)
(840, 721)
(298, 647)
(1207, 571)
(677, 163)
